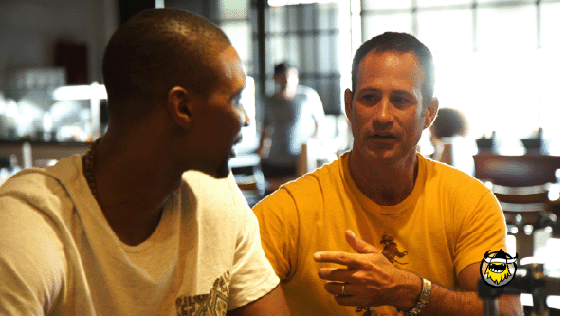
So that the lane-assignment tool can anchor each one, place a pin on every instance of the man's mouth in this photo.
(383, 136)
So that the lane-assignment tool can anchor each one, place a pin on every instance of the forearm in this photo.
(316, 130)
(273, 303)
(444, 301)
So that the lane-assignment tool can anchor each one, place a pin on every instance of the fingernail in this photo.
(316, 255)
(351, 232)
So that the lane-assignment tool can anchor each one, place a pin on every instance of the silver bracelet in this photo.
(423, 300)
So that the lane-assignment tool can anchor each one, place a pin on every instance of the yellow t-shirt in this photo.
(447, 223)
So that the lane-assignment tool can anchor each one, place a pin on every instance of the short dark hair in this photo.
(401, 43)
(282, 67)
(449, 123)
(156, 50)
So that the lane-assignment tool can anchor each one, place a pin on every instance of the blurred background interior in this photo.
(496, 63)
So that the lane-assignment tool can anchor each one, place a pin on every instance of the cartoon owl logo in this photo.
(498, 268)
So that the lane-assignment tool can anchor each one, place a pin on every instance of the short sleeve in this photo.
(482, 229)
(32, 261)
(278, 223)
(252, 277)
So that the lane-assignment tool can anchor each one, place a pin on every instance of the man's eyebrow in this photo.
(397, 92)
(368, 89)
(403, 92)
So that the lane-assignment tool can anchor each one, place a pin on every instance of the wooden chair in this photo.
(520, 183)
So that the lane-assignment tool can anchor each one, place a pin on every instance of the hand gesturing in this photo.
(369, 278)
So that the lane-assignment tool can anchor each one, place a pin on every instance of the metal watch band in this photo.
(423, 300)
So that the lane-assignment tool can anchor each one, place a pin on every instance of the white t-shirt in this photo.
(58, 255)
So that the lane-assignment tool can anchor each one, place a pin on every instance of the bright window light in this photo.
(80, 92)
(280, 3)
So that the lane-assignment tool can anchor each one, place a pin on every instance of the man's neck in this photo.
(385, 183)
(132, 188)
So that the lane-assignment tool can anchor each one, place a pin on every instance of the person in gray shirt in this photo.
(292, 116)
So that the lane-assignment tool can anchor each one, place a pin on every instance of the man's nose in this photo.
(383, 111)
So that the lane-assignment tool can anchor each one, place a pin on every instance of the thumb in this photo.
(359, 245)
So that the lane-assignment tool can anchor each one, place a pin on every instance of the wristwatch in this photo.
(423, 300)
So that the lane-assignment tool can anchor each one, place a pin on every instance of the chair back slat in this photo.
(523, 199)
(517, 171)
(521, 184)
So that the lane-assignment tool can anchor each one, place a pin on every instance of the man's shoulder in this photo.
(36, 181)
(312, 185)
(323, 173)
(216, 197)
(46, 190)
(448, 178)
(448, 172)
(306, 90)
(36, 236)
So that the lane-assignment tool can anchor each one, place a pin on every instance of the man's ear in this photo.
(180, 106)
(348, 96)
(431, 111)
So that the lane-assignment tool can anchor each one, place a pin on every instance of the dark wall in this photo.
(206, 8)
(129, 8)
(30, 29)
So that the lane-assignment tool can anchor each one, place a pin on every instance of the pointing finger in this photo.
(339, 257)
(359, 245)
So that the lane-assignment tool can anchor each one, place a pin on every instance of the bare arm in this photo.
(371, 280)
(273, 303)
(466, 302)
(316, 129)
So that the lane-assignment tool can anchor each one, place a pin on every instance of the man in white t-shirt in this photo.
(291, 117)
(149, 221)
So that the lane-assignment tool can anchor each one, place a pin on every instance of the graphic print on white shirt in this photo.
(214, 303)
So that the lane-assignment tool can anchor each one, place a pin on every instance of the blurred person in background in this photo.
(448, 135)
(292, 116)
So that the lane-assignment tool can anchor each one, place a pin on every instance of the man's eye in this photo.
(369, 97)
(237, 100)
(400, 100)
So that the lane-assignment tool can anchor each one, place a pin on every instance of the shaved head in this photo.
(156, 50)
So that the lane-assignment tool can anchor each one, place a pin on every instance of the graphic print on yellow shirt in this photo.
(390, 251)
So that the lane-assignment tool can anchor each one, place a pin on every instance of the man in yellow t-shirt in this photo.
(415, 230)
